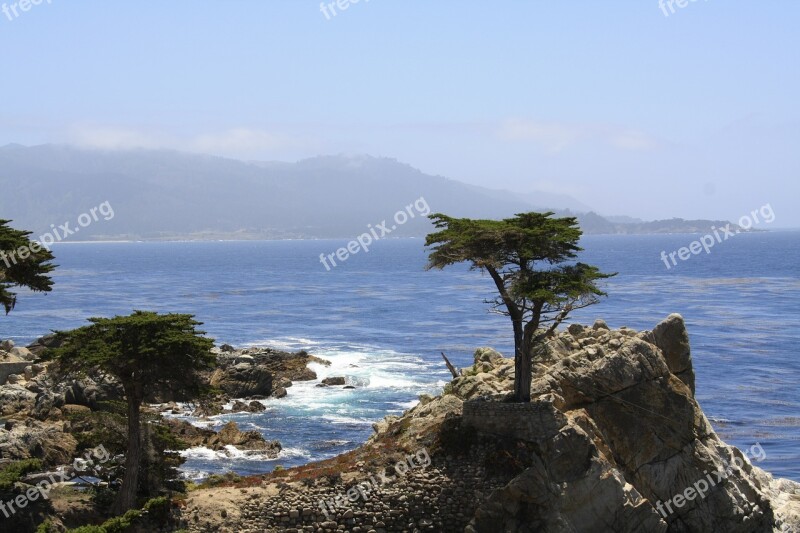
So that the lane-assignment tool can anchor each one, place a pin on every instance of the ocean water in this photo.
(382, 320)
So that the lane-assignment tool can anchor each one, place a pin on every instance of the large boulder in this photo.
(231, 435)
(243, 380)
(22, 353)
(16, 399)
(34, 439)
(672, 339)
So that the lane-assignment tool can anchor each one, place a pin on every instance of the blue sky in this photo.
(694, 114)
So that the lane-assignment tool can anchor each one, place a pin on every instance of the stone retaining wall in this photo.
(518, 420)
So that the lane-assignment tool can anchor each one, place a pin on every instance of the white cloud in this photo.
(235, 142)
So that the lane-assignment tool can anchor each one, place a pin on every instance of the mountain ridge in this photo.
(167, 194)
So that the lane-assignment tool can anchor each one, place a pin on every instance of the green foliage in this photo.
(155, 511)
(159, 465)
(46, 527)
(23, 263)
(118, 524)
(141, 350)
(13, 472)
(103, 497)
(531, 258)
(107, 426)
(525, 256)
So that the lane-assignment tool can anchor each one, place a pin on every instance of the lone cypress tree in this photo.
(142, 351)
(529, 258)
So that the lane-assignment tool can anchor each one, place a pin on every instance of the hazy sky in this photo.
(633, 112)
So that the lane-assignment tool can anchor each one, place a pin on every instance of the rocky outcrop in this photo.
(261, 371)
(616, 435)
(228, 435)
(231, 435)
(243, 380)
(612, 441)
(35, 439)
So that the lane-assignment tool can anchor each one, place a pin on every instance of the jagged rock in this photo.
(425, 399)
(243, 380)
(335, 380)
(488, 355)
(252, 407)
(279, 392)
(23, 353)
(34, 439)
(673, 340)
(6, 345)
(600, 324)
(231, 435)
(258, 371)
(43, 343)
(227, 348)
(15, 398)
(192, 435)
(576, 330)
(624, 435)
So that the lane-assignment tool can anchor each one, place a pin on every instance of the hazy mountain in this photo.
(163, 193)
(166, 194)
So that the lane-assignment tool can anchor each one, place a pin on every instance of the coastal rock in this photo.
(672, 339)
(15, 398)
(336, 380)
(243, 380)
(626, 436)
(252, 407)
(260, 371)
(231, 435)
(612, 435)
(22, 353)
(41, 344)
(34, 439)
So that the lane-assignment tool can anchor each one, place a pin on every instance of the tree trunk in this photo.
(522, 365)
(126, 498)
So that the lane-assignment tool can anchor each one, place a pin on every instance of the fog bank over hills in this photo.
(158, 194)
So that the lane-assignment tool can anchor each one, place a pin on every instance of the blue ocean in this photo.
(382, 320)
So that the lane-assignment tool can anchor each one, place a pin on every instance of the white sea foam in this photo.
(339, 419)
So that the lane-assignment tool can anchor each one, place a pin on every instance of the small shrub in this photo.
(46, 527)
(13, 472)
